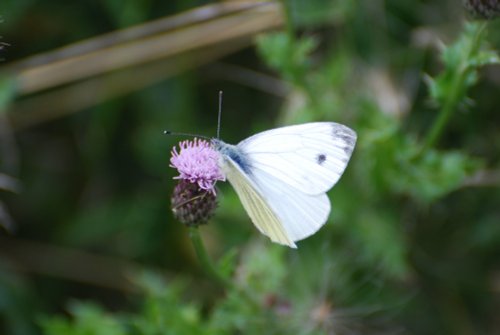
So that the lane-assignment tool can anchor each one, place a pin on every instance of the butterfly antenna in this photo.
(220, 113)
(168, 132)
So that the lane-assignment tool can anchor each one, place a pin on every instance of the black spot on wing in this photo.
(320, 159)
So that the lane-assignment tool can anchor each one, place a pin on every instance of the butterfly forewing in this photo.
(310, 157)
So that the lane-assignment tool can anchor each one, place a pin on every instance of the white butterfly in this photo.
(282, 175)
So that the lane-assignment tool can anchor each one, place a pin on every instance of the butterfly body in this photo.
(282, 175)
(233, 153)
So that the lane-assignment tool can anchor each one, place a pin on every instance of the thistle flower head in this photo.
(197, 163)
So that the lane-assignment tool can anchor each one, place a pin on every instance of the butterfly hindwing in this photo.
(300, 214)
(257, 207)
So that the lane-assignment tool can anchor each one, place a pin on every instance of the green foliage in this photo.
(397, 165)
(262, 273)
(285, 54)
(258, 277)
(266, 299)
(89, 319)
(462, 60)
(374, 227)
(162, 312)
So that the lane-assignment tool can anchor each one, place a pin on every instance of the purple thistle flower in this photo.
(197, 162)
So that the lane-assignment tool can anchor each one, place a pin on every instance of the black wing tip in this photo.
(347, 135)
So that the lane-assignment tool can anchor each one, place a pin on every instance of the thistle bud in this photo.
(192, 205)
(483, 9)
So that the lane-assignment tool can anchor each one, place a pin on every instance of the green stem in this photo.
(446, 112)
(454, 97)
(205, 261)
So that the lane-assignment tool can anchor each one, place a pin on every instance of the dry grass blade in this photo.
(120, 62)
(160, 26)
(73, 98)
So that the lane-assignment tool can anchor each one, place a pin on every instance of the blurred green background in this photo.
(88, 244)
